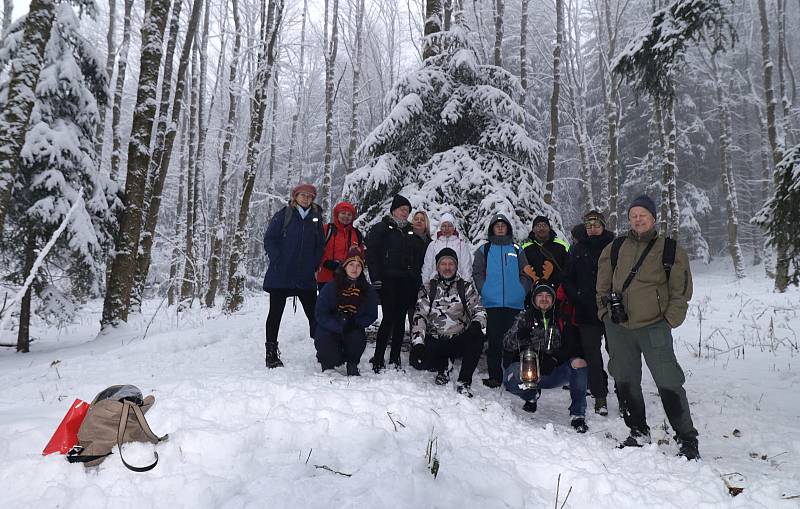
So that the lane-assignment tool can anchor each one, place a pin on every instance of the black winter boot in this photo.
(352, 369)
(529, 406)
(689, 449)
(273, 357)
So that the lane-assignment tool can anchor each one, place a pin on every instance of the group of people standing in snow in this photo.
(543, 295)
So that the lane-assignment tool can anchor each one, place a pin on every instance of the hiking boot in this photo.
(579, 423)
(601, 406)
(352, 369)
(377, 365)
(635, 439)
(491, 383)
(273, 357)
(464, 388)
(442, 379)
(689, 449)
(529, 406)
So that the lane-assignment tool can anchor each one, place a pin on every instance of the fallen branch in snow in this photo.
(40, 259)
(395, 423)
(558, 487)
(432, 454)
(784, 497)
(329, 469)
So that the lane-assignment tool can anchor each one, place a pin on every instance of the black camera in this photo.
(618, 314)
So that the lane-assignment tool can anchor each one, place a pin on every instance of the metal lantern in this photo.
(529, 368)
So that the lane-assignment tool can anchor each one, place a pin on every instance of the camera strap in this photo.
(636, 267)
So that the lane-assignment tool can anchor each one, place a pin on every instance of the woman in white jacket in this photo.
(448, 237)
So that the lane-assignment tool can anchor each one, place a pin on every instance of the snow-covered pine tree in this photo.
(453, 141)
(56, 161)
(778, 216)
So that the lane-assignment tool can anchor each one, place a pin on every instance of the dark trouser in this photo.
(498, 321)
(564, 373)
(336, 349)
(466, 345)
(397, 297)
(654, 342)
(591, 341)
(277, 302)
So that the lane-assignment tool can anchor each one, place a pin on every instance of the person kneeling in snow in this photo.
(344, 309)
(448, 322)
(558, 349)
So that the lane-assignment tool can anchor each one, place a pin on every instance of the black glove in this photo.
(416, 357)
(475, 329)
(331, 265)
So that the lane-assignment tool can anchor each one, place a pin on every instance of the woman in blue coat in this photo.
(344, 309)
(294, 243)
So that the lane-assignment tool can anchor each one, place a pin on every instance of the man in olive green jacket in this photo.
(654, 305)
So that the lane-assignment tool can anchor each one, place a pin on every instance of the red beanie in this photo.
(344, 206)
(304, 188)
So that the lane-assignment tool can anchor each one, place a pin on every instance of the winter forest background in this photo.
(144, 145)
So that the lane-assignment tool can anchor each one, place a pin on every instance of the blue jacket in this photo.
(294, 254)
(331, 321)
(497, 270)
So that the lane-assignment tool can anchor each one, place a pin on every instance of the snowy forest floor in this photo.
(242, 436)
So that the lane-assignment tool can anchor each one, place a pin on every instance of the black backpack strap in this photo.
(615, 247)
(486, 250)
(123, 423)
(331, 231)
(359, 236)
(73, 456)
(432, 286)
(639, 263)
(668, 256)
(287, 218)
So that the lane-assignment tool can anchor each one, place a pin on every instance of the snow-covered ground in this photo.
(242, 436)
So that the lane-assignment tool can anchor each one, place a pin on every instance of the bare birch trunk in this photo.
(214, 261)
(187, 285)
(23, 75)
(299, 96)
(499, 13)
(331, 47)
(552, 142)
(523, 52)
(120, 282)
(174, 266)
(163, 155)
(24, 330)
(100, 132)
(116, 111)
(351, 149)
(266, 58)
(672, 170)
(726, 173)
(781, 259)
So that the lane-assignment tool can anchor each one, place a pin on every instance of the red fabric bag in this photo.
(66, 434)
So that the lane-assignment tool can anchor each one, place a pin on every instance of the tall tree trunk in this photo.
(523, 53)
(433, 24)
(111, 50)
(726, 172)
(23, 75)
(273, 138)
(266, 59)
(786, 118)
(120, 282)
(174, 265)
(762, 174)
(116, 111)
(575, 93)
(672, 169)
(163, 155)
(214, 260)
(331, 47)
(552, 141)
(8, 12)
(499, 12)
(187, 285)
(351, 149)
(781, 258)
(201, 200)
(24, 331)
(299, 96)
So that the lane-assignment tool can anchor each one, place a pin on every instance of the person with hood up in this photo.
(558, 349)
(394, 257)
(340, 236)
(498, 270)
(579, 281)
(293, 243)
(448, 323)
(448, 237)
(545, 252)
(344, 309)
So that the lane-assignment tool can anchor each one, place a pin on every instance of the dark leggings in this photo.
(591, 341)
(277, 302)
(397, 297)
